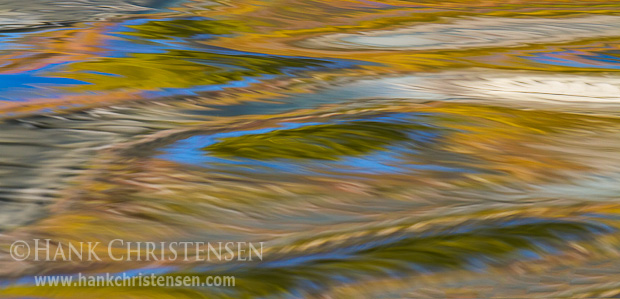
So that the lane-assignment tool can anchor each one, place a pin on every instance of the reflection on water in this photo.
(474, 33)
(380, 149)
(48, 13)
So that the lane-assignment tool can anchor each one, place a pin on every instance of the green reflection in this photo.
(177, 69)
(320, 142)
(490, 243)
(169, 29)
(436, 252)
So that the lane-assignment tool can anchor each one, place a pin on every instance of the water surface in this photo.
(380, 149)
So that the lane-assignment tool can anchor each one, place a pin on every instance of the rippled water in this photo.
(380, 149)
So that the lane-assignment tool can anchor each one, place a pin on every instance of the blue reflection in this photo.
(601, 60)
(397, 158)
